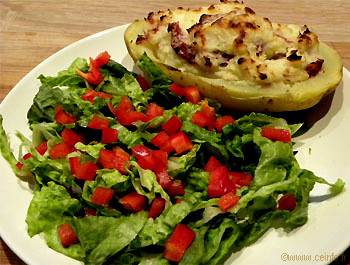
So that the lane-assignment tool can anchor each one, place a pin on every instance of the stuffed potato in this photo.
(231, 54)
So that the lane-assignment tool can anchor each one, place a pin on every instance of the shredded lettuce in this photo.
(118, 236)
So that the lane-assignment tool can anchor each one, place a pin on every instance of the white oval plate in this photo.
(323, 149)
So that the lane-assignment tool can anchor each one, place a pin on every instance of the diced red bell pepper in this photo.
(219, 182)
(19, 165)
(109, 135)
(86, 171)
(74, 163)
(173, 125)
(228, 200)
(102, 58)
(102, 195)
(93, 76)
(90, 212)
(98, 123)
(140, 151)
(240, 179)
(163, 177)
(222, 121)
(161, 158)
(154, 110)
(90, 94)
(212, 164)
(160, 139)
(115, 159)
(60, 150)
(191, 94)
(179, 200)
(200, 119)
(287, 202)
(42, 148)
(178, 243)
(70, 137)
(157, 207)
(176, 188)
(126, 113)
(143, 82)
(208, 111)
(27, 156)
(181, 142)
(147, 162)
(112, 108)
(134, 202)
(67, 235)
(176, 89)
(276, 134)
(63, 117)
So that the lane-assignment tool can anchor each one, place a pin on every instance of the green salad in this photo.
(134, 170)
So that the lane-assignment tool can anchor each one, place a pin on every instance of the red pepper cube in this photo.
(287, 202)
(102, 195)
(143, 82)
(19, 165)
(160, 157)
(60, 150)
(93, 76)
(160, 139)
(200, 119)
(62, 117)
(134, 202)
(212, 164)
(126, 113)
(98, 123)
(176, 188)
(178, 243)
(147, 162)
(154, 110)
(109, 135)
(276, 134)
(192, 95)
(42, 148)
(89, 95)
(240, 179)
(157, 207)
(90, 212)
(86, 171)
(67, 235)
(176, 89)
(27, 156)
(181, 142)
(222, 121)
(113, 160)
(102, 58)
(140, 151)
(228, 200)
(70, 137)
(74, 163)
(208, 111)
(173, 125)
(219, 182)
(163, 177)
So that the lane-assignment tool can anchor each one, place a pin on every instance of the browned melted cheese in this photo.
(231, 42)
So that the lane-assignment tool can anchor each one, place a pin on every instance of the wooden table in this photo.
(30, 31)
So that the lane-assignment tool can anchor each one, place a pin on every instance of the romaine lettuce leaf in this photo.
(49, 207)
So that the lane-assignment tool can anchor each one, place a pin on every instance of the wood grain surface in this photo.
(31, 31)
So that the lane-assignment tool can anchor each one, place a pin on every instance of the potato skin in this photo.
(243, 96)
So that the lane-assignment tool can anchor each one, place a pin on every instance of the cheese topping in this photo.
(229, 41)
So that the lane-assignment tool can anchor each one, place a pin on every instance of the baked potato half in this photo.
(243, 60)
